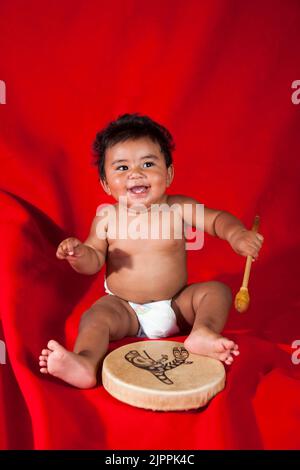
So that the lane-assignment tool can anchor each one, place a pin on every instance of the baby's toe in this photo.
(229, 360)
(45, 352)
(43, 363)
(224, 356)
(227, 344)
(52, 345)
(44, 370)
(236, 353)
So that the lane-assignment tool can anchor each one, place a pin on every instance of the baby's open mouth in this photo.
(139, 189)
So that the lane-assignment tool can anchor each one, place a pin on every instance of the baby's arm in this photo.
(88, 257)
(223, 225)
(228, 227)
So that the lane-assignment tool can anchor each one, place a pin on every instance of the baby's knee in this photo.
(85, 319)
(92, 317)
(103, 313)
(220, 289)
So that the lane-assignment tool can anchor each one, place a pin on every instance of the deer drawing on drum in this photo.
(158, 368)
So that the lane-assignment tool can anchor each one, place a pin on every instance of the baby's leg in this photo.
(206, 306)
(109, 319)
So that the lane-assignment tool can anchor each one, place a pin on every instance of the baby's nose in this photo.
(136, 172)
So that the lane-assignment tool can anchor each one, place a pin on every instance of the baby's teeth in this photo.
(138, 189)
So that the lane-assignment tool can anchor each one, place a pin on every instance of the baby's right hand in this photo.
(70, 247)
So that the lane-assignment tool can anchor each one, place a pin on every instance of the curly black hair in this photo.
(131, 126)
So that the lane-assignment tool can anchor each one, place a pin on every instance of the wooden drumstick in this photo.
(242, 298)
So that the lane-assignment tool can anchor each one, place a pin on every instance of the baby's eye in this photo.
(149, 164)
(122, 167)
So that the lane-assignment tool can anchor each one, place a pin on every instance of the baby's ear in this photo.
(105, 186)
(170, 175)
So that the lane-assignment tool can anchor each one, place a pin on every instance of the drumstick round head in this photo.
(242, 300)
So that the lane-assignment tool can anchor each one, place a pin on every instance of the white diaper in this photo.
(157, 319)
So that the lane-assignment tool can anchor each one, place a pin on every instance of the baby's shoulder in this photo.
(105, 213)
(104, 210)
(179, 199)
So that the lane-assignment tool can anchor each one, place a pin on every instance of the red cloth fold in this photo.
(219, 76)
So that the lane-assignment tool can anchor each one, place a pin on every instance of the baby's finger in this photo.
(257, 246)
(76, 250)
(254, 257)
(66, 249)
(251, 250)
(61, 253)
(72, 245)
(254, 244)
(253, 238)
(260, 237)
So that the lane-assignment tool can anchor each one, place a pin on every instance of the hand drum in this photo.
(161, 375)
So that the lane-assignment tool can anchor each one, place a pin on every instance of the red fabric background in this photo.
(218, 74)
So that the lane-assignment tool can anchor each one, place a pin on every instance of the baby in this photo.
(146, 276)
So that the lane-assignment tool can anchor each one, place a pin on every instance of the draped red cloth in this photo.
(218, 74)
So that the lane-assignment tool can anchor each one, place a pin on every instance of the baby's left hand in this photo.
(246, 243)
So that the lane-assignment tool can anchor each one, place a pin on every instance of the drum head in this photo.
(161, 375)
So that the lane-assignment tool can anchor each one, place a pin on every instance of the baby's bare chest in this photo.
(152, 230)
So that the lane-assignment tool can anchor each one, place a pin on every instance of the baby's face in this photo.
(137, 169)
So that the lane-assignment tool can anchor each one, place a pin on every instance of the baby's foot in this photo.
(208, 343)
(68, 366)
